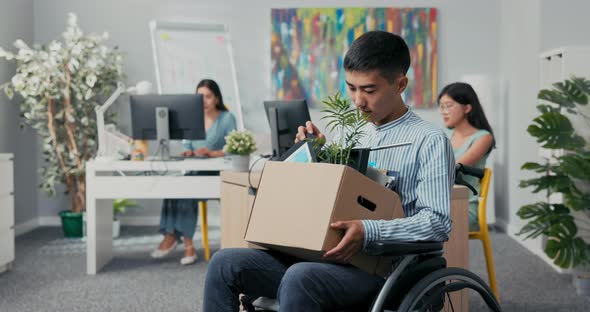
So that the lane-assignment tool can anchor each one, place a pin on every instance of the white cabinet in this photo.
(6, 211)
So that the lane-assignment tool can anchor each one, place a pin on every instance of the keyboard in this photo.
(189, 157)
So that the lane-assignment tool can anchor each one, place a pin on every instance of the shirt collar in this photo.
(395, 122)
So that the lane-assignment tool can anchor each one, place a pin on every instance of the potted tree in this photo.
(120, 206)
(59, 84)
(564, 224)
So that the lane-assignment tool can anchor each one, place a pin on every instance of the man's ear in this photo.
(402, 84)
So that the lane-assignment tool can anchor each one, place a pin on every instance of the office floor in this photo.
(49, 275)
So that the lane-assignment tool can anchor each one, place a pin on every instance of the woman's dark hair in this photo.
(464, 94)
(378, 50)
(212, 85)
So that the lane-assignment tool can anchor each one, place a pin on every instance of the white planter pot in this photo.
(240, 162)
(116, 228)
(582, 284)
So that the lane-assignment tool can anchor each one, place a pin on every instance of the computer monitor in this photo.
(165, 117)
(284, 118)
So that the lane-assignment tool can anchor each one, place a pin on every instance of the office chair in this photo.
(204, 228)
(483, 234)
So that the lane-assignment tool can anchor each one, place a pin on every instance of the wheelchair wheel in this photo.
(433, 292)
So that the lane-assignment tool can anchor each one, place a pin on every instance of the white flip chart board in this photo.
(185, 53)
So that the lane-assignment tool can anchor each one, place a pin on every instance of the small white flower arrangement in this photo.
(239, 143)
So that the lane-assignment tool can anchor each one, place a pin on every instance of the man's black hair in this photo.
(378, 50)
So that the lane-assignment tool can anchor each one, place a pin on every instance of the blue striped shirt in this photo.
(426, 177)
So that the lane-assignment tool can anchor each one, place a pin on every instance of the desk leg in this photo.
(99, 225)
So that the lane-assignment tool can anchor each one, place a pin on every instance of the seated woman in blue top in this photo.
(179, 216)
(470, 133)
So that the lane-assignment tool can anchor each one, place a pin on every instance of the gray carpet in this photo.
(49, 275)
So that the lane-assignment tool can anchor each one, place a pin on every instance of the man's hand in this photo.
(309, 128)
(187, 153)
(351, 243)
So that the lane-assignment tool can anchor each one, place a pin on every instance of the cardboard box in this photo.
(296, 203)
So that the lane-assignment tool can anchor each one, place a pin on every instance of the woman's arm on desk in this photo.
(218, 153)
(207, 152)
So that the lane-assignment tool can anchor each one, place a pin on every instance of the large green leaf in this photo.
(577, 200)
(557, 183)
(543, 216)
(544, 108)
(554, 221)
(556, 97)
(555, 131)
(583, 84)
(536, 167)
(576, 165)
(571, 91)
(567, 252)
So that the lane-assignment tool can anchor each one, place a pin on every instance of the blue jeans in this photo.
(179, 216)
(299, 286)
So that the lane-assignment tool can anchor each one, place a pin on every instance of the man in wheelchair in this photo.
(376, 65)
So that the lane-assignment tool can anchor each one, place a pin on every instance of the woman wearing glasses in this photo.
(470, 133)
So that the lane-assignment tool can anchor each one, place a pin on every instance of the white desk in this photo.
(104, 183)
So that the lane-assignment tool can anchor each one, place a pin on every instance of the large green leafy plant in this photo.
(59, 84)
(567, 173)
(348, 123)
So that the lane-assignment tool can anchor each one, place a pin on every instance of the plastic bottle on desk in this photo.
(140, 151)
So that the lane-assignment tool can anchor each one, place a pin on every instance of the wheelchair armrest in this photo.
(395, 249)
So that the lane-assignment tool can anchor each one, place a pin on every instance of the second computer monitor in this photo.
(284, 118)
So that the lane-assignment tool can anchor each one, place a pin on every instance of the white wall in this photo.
(462, 50)
(16, 22)
(564, 25)
(519, 47)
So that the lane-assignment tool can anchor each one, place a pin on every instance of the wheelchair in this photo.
(420, 280)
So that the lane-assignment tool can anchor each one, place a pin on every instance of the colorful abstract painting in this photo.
(308, 48)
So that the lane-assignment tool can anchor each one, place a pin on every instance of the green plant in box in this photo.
(348, 123)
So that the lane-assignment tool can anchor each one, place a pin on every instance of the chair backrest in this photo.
(484, 188)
